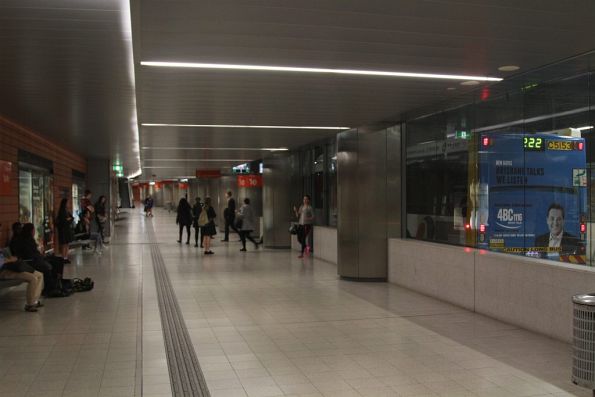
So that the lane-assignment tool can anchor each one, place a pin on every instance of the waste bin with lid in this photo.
(583, 338)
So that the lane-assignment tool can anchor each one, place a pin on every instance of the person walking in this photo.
(184, 219)
(149, 206)
(65, 230)
(101, 216)
(246, 223)
(229, 215)
(206, 221)
(305, 215)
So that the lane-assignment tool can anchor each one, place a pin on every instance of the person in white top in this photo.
(305, 215)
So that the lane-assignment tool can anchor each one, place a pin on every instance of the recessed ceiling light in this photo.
(508, 68)
(316, 70)
(288, 127)
(587, 127)
(273, 149)
(470, 82)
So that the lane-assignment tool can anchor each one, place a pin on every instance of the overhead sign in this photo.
(249, 181)
(5, 174)
(208, 173)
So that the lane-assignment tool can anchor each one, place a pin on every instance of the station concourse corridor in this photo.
(261, 323)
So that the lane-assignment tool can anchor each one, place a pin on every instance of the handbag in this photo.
(294, 228)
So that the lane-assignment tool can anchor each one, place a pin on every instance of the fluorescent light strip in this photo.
(199, 160)
(276, 127)
(316, 70)
(270, 149)
(587, 127)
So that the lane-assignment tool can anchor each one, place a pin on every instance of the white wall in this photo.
(532, 293)
(325, 243)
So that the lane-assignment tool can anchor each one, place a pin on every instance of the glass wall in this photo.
(511, 170)
(316, 173)
(36, 201)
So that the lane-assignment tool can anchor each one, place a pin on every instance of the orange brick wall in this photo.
(14, 137)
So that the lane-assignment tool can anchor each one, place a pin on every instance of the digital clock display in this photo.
(533, 143)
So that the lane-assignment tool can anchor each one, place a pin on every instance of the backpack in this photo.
(79, 285)
(203, 218)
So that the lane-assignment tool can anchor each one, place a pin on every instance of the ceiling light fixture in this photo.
(273, 149)
(288, 127)
(315, 70)
(587, 127)
(470, 82)
(508, 68)
(200, 160)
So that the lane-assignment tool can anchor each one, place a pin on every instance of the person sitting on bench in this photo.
(90, 231)
(26, 249)
(13, 269)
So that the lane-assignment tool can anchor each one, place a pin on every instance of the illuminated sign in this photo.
(533, 143)
(560, 145)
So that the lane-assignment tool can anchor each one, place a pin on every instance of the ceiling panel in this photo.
(471, 37)
(66, 71)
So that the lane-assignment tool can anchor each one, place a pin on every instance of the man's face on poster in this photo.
(555, 221)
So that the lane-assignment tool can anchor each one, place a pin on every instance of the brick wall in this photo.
(14, 137)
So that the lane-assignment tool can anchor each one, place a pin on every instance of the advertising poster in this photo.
(5, 174)
(533, 195)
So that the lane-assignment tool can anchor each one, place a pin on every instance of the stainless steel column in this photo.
(277, 201)
(362, 230)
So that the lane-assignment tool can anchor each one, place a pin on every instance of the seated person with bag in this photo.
(26, 249)
(13, 269)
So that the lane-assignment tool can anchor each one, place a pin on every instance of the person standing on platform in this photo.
(246, 224)
(65, 230)
(229, 215)
(196, 210)
(101, 216)
(184, 219)
(206, 221)
(305, 215)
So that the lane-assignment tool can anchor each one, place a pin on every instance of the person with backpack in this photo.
(196, 210)
(206, 221)
(184, 219)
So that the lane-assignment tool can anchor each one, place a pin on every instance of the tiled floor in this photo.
(264, 324)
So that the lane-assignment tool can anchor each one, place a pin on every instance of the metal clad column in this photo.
(347, 205)
(362, 195)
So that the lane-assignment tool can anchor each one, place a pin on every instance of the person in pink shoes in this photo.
(305, 215)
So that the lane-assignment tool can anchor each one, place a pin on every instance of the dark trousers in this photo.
(50, 273)
(187, 232)
(230, 223)
(245, 234)
(196, 233)
(303, 235)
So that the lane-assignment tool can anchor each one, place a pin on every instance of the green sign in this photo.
(462, 135)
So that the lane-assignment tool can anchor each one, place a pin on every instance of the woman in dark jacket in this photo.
(101, 215)
(29, 251)
(196, 210)
(206, 222)
(64, 226)
(184, 218)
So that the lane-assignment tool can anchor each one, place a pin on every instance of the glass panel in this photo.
(332, 184)
(25, 200)
(509, 171)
